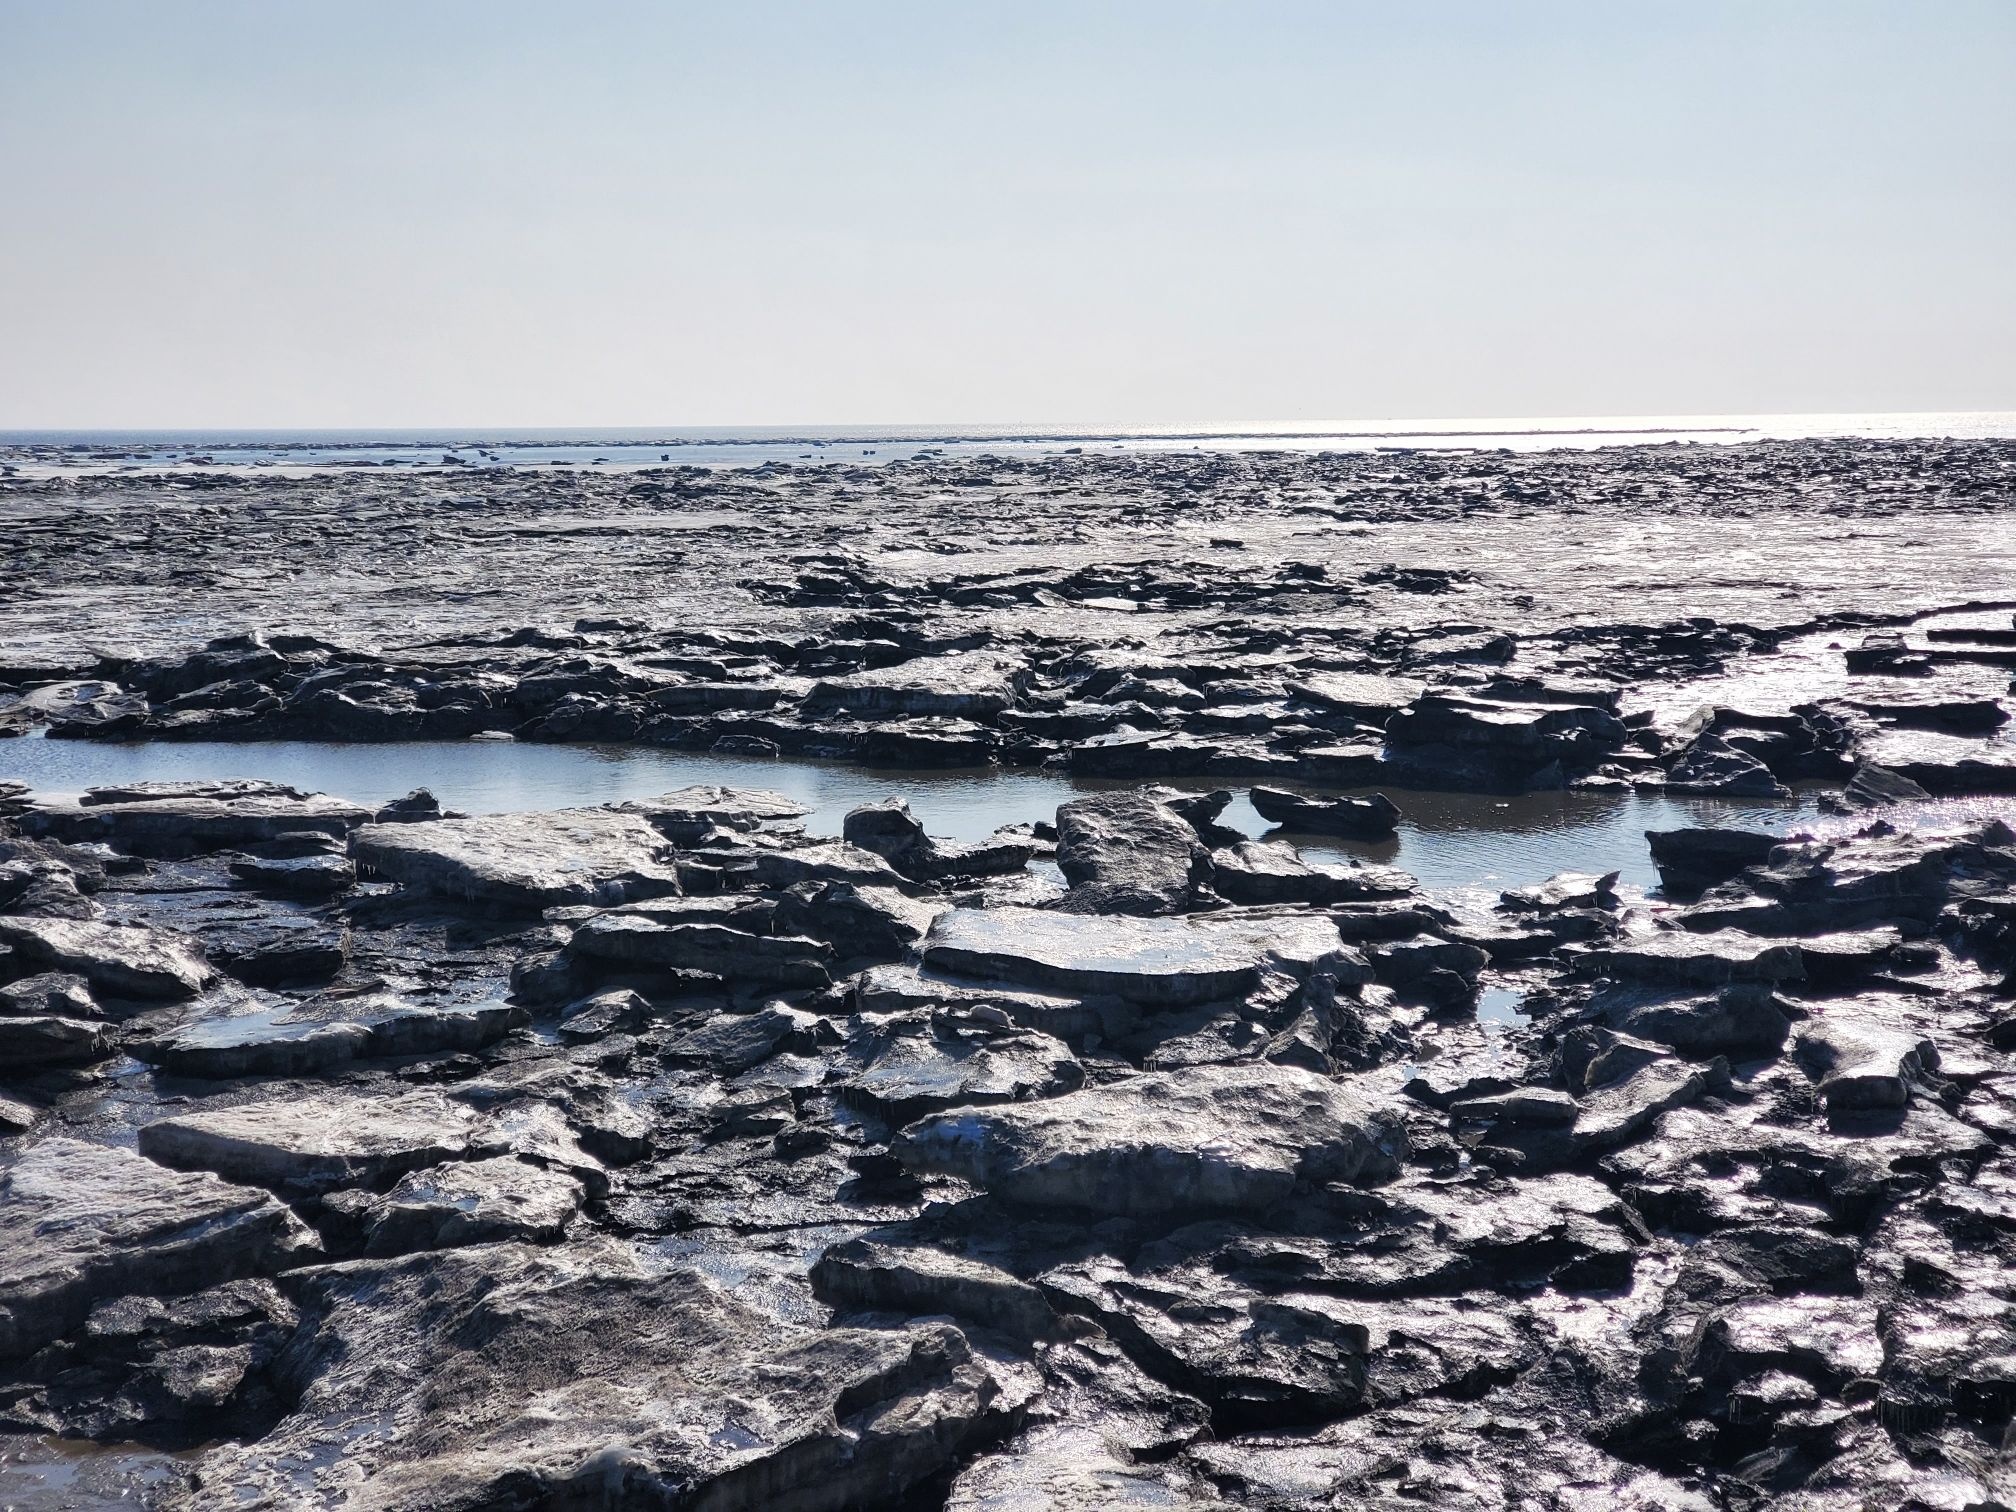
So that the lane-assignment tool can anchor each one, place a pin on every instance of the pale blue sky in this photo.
(442, 212)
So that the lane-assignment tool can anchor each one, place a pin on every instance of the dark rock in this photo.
(617, 1011)
(1877, 787)
(30, 1042)
(83, 1222)
(690, 815)
(275, 950)
(788, 960)
(302, 1038)
(306, 876)
(468, 1202)
(50, 993)
(1124, 853)
(1373, 818)
(890, 831)
(192, 818)
(123, 960)
(516, 1387)
(1691, 861)
(730, 1043)
(1708, 960)
(971, 686)
(913, 1066)
(1744, 1018)
(1448, 739)
(1273, 871)
(416, 807)
(1712, 765)
(824, 863)
(1620, 1110)
(36, 880)
(860, 923)
(1563, 890)
(918, 1281)
(177, 1370)
(1857, 1062)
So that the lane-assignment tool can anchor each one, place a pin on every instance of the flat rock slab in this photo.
(50, 992)
(181, 818)
(581, 1376)
(1160, 962)
(1691, 860)
(303, 876)
(1363, 696)
(967, 686)
(1707, 960)
(123, 960)
(79, 1222)
(1612, 1114)
(526, 860)
(690, 813)
(1208, 1139)
(930, 1067)
(715, 948)
(207, 789)
(730, 1043)
(296, 1038)
(1068, 1016)
(833, 862)
(1746, 1017)
(316, 1140)
(1944, 764)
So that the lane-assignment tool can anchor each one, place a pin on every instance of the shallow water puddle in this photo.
(1447, 840)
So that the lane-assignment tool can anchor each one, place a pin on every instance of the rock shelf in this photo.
(668, 1154)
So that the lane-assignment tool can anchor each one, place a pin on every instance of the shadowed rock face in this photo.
(1371, 818)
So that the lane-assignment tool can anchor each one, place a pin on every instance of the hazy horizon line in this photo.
(1363, 424)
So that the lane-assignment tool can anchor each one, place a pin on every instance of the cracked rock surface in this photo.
(677, 1154)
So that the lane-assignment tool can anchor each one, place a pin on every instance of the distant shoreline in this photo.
(733, 446)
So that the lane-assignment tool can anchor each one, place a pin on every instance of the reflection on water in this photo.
(1498, 1007)
(42, 1471)
(1446, 839)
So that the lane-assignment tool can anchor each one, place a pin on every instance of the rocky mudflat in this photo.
(671, 1154)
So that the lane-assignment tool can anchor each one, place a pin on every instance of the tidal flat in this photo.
(1251, 979)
